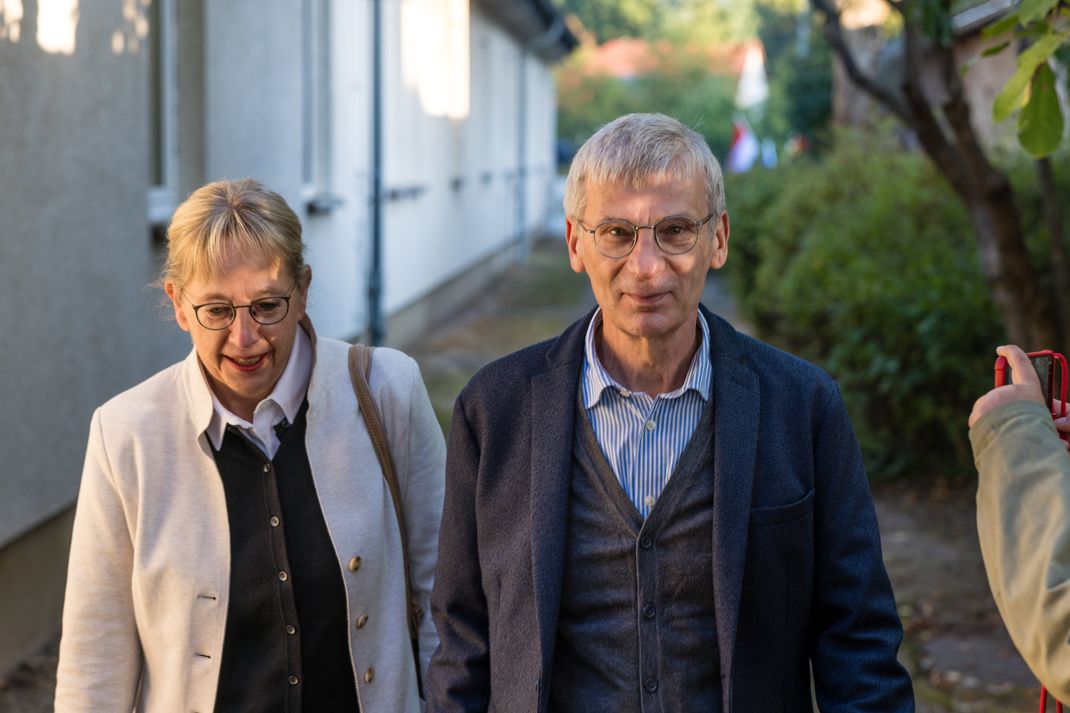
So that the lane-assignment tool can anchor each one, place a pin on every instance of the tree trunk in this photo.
(1057, 253)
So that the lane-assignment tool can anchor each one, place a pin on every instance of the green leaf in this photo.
(1004, 24)
(1040, 125)
(995, 49)
(1035, 9)
(1010, 97)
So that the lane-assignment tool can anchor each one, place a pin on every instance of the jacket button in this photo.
(354, 564)
(648, 611)
(291, 629)
(267, 467)
(651, 684)
(283, 576)
(362, 620)
(369, 675)
(292, 680)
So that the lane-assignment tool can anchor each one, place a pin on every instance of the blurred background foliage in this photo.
(855, 253)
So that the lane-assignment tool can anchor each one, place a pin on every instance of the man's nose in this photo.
(646, 257)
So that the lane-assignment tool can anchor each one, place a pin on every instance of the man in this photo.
(652, 512)
(1023, 518)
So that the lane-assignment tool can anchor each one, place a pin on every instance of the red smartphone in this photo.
(1052, 371)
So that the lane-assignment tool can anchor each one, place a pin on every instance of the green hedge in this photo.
(865, 263)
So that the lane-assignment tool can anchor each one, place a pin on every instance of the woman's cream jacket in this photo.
(149, 574)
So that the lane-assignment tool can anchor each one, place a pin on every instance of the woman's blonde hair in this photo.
(228, 221)
(639, 149)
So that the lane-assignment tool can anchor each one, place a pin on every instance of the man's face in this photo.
(648, 295)
(244, 360)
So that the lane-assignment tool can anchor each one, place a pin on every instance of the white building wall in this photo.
(78, 252)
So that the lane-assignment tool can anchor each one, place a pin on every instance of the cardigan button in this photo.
(369, 675)
(354, 564)
(362, 620)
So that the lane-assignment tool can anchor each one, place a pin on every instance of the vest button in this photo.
(646, 542)
(354, 564)
(267, 467)
(362, 620)
(651, 684)
(369, 675)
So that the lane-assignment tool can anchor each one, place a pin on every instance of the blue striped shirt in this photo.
(641, 436)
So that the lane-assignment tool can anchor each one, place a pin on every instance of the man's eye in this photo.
(617, 232)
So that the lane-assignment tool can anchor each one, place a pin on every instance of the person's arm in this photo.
(459, 677)
(100, 652)
(424, 483)
(1023, 521)
(856, 629)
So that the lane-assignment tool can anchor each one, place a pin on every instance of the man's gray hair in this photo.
(639, 149)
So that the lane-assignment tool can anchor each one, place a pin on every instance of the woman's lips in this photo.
(246, 363)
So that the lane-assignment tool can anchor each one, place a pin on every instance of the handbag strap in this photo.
(360, 363)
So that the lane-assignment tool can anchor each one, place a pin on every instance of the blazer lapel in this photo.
(736, 399)
(553, 418)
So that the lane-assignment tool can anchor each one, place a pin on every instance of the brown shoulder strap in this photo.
(360, 362)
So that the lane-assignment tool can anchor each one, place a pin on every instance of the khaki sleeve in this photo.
(1023, 521)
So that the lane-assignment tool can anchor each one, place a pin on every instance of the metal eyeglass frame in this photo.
(234, 310)
(635, 233)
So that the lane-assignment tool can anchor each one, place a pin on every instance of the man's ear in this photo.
(720, 242)
(572, 236)
(176, 302)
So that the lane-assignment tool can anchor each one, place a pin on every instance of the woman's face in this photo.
(244, 360)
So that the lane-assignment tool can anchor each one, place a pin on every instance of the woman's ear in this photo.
(175, 295)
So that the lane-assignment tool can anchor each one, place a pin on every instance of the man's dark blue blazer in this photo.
(797, 570)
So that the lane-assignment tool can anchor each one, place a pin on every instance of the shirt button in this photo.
(283, 576)
(291, 629)
(651, 684)
(645, 542)
(267, 467)
(648, 611)
(369, 675)
(292, 680)
(650, 425)
(275, 520)
(354, 564)
(649, 501)
(362, 620)
(625, 393)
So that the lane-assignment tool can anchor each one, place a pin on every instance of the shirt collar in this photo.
(596, 379)
(286, 397)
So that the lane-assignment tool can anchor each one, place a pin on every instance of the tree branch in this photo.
(838, 42)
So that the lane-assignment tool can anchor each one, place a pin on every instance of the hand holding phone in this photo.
(1044, 370)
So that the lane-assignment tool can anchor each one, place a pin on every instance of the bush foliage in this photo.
(865, 263)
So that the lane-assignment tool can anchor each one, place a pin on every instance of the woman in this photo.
(235, 546)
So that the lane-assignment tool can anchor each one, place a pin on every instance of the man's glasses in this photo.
(675, 235)
(220, 315)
